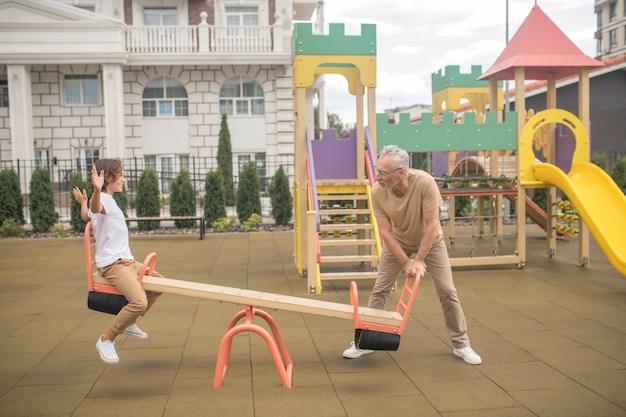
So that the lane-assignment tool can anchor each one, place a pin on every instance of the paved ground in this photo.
(552, 337)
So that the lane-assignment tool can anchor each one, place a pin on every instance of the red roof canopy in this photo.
(542, 49)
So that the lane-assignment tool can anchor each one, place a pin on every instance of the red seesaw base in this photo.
(275, 344)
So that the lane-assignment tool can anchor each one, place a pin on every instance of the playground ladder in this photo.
(346, 222)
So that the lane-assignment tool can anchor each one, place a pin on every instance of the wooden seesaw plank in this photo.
(269, 300)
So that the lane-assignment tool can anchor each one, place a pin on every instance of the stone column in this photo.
(113, 95)
(203, 33)
(21, 112)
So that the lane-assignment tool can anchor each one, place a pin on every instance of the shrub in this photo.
(540, 197)
(183, 199)
(248, 193)
(600, 160)
(148, 199)
(11, 201)
(280, 197)
(221, 224)
(463, 206)
(41, 204)
(214, 202)
(252, 224)
(619, 174)
(76, 222)
(11, 228)
(59, 230)
(225, 161)
(122, 200)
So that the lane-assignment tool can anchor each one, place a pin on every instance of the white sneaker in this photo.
(468, 355)
(136, 332)
(107, 352)
(353, 352)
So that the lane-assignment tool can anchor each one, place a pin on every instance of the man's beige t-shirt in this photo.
(406, 213)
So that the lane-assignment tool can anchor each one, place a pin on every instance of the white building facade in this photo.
(611, 28)
(148, 80)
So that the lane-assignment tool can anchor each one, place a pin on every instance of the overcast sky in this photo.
(417, 37)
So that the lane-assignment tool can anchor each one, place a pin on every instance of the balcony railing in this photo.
(240, 38)
(156, 39)
(203, 38)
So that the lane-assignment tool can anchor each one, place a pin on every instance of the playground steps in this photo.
(349, 259)
(347, 242)
(345, 221)
(345, 226)
(349, 276)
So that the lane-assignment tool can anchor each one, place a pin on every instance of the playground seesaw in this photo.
(374, 329)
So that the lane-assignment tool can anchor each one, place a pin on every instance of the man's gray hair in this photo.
(399, 156)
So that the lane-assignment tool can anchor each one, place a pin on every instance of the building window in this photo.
(599, 19)
(242, 16)
(612, 39)
(242, 96)
(150, 162)
(160, 16)
(613, 11)
(167, 174)
(165, 97)
(42, 158)
(4, 93)
(241, 25)
(85, 158)
(599, 47)
(241, 161)
(82, 90)
(261, 169)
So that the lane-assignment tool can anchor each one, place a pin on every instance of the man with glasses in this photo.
(406, 205)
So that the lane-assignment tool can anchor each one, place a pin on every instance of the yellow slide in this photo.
(598, 200)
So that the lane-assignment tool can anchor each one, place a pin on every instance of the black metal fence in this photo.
(61, 172)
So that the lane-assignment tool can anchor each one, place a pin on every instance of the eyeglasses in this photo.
(385, 173)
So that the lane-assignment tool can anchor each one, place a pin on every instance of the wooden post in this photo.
(520, 107)
(551, 194)
(301, 177)
(584, 116)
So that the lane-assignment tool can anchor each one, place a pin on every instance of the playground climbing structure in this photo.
(334, 176)
(331, 187)
(450, 142)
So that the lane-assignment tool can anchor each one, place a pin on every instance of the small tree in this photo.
(248, 193)
(76, 222)
(148, 199)
(214, 202)
(183, 199)
(225, 161)
(619, 174)
(540, 197)
(463, 206)
(334, 122)
(11, 202)
(280, 197)
(122, 200)
(600, 160)
(42, 213)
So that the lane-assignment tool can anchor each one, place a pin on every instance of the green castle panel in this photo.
(447, 135)
(454, 78)
(304, 42)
